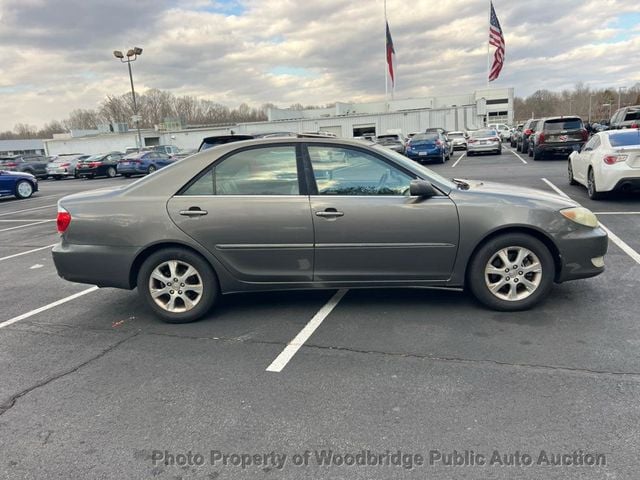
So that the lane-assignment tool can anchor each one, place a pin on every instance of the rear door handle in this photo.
(330, 213)
(193, 212)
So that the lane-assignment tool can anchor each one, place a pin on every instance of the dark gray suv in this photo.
(36, 165)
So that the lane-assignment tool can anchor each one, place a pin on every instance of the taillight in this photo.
(63, 220)
(495, 139)
(585, 134)
(634, 125)
(472, 140)
(528, 131)
(65, 164)
(541, 138)
(438, 142)
(10, 164)
(613, 159)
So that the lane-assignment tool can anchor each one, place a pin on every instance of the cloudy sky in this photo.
(55, 55)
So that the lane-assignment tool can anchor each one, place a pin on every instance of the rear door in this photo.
(583, 159)
(251, 211)
(368, 228)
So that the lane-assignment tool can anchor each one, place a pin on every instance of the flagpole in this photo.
(488, 45)
(386, 79)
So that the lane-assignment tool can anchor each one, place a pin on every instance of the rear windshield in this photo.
(425, 136)
(484, 133)
(632, 115)
(563, 124)
(625, 139)
(455, 134)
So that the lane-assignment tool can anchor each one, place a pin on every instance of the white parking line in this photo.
(617, 213)
(26, 253)
(612, 236)
(13, 320)
(27, 225)
(294, 345)
(514, 152)
(25, 220)
(27, 210)
(458, 161)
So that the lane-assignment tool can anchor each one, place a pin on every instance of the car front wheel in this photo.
(24, 189)
(511, 272)
(178, 285)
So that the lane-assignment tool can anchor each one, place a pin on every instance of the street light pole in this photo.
(620, 95)
(590, 97)
(132, 56)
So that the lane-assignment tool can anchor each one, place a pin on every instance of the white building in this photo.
(346, 120)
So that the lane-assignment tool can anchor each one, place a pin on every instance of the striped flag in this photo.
(391, 56)
(496, 39)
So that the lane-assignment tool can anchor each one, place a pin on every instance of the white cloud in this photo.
(57, 55)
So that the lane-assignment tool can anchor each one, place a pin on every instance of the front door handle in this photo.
(193, 212)
(330, 213)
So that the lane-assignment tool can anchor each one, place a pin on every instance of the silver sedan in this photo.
(301, 213)
(484, 141)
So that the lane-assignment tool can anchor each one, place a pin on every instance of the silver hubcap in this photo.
(513, 273)
(591, 183)
(25, 189)
(175, 286)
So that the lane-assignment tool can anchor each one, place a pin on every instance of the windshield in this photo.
(632, 115)
(93, 158)
(425, 137)
(405, 162)
(484, 134)
(625, 139)
(563, 124)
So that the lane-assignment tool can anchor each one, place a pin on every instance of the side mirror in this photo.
(422, 188)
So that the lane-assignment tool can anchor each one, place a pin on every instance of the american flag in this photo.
(497, 40)
(391, 53)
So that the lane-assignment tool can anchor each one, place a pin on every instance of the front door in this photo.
(368, 227)
(249, 211)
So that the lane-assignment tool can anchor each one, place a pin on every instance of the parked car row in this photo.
(542, 137)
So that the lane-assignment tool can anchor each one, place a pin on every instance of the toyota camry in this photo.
(302, 213)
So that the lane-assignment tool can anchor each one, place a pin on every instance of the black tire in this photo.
(443, 159)
(572, 181)
(499, 152)
(57, 177)
(537, 156)
(20, 195)
(530, 152)
(592, 188)
(210, 286)
(518, 147)
(476, 272)
(151, 169)
(470, 154)
(126, 175)
(111, 172)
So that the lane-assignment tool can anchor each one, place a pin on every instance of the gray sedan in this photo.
(301, 213)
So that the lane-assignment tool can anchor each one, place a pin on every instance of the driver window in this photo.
(345, 171)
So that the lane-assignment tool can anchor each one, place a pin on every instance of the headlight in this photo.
(580, 215)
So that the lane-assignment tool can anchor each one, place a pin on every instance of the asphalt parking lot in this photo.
(93, 386)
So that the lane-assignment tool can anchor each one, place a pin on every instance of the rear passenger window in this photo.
(202, 186)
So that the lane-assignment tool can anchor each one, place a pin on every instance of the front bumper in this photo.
(101, 265)
(580, 251)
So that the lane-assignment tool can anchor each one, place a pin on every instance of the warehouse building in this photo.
(20, 147)
(345, 120)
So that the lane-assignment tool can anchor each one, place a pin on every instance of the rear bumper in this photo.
(131, 169)
(430, 155)
(559, 148)
(619, 176)
(492, 147)
(101, 265)
(628, 185)
(580, 251)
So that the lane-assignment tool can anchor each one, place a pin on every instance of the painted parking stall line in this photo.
(458, 161)
(28, 209)
(9, 257)
(27, 225)
(624, 246)
(294, 345)
(13, 320)
(516, 154)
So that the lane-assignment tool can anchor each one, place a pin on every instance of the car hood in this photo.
(15, 174)
(505, 191)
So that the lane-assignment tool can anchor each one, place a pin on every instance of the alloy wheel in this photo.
(176, 286)
(25, 190)
(513, 273)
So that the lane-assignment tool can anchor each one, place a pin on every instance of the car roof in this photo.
(562, 117)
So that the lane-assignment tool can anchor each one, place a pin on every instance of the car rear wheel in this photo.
(24, 189)
(592, 188)
(537, 156)
(151, 169)
(572, 180)
(111, 172)
(178, 285)
(511, 272)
